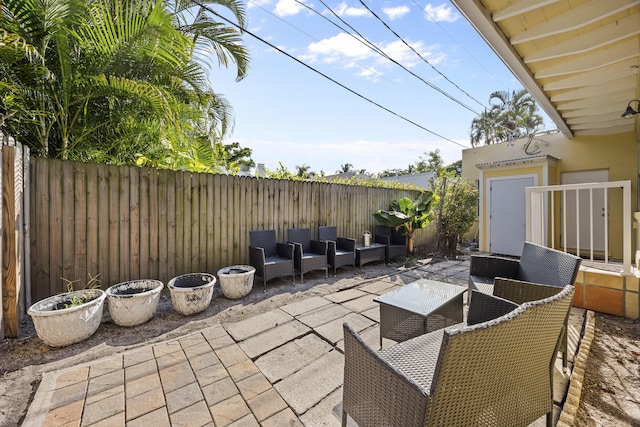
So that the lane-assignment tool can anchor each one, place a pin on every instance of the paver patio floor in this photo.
(283, 367)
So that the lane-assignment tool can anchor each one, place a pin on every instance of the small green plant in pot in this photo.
(70, 317)
(75, 298)
(406, 215)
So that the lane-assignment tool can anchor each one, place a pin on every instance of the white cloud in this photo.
(287, 8)
(402, 54)
(442, 13)
(395, 12)
(344, 10)
(337, 48)
(345, 51)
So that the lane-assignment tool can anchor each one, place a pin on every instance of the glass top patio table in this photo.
(419, 307)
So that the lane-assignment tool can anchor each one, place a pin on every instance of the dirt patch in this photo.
(611, 387)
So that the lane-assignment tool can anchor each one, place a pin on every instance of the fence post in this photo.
(10, 284)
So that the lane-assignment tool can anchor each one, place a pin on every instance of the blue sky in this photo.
(287, 113)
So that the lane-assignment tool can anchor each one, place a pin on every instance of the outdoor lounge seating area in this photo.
(303, 254)
(511, 278)
(495, 369)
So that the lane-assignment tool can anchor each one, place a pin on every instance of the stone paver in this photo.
(333, 331)
(311, 384)
(304, 306)
(244, 329)
(280, 368)
(345, 295)
(361, 304)
(103, 409)
(378, 287)
(322, 414)
(183, 397)
(219, 391)
(267, 404)
(323, 315)
(283, 418)
(275, 337)
(291, 357)
(194, 415)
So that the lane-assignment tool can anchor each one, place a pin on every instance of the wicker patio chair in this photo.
(270, 258)
(510, 278)
(396, 242)
(309, 254)
(341, 250)
(497, 372)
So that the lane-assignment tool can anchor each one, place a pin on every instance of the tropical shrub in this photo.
(406, 215)
(455, 213)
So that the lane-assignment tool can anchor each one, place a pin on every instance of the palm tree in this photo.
(302, 171)
(347, 167)
(108, 79)
(512, 115)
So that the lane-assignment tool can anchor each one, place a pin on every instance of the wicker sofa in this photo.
(494, 370)
(510, 278)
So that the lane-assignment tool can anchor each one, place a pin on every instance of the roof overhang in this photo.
(579, 59)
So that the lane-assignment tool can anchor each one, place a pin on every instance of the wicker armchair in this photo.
(511, 278)
(270, 258)
(396, 242)
(309, 254)
(341, 250)
(497, 372)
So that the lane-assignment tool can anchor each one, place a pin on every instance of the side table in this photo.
(371, 253)
(419, 307)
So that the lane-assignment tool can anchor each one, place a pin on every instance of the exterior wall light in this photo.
(629, 112)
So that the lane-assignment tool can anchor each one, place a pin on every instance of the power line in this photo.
(456, 41)
(369, 45)
(375, 48)
(418, 54)
(324, 75)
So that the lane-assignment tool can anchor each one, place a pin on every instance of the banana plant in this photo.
(406, 215)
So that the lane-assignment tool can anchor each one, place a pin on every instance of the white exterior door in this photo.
(507, 215)
(589, 209)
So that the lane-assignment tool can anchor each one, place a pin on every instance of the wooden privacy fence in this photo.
(14, 235)
(126, 223)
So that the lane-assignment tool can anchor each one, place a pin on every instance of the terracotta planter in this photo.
(133, 303)
(58, 326)
(236, 281)
(191, 293)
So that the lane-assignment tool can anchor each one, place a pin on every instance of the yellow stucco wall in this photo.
(618, 154)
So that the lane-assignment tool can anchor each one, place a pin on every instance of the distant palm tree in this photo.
(347, 167)
(302, 171)
(512, 115)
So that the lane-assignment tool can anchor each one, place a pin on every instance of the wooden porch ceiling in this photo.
(580, 59)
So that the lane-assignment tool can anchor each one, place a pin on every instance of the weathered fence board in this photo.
(14, 229)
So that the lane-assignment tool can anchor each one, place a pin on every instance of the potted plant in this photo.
(236, 281)
(408, 215)
(133, 303)
(191, 293)
(69, 317)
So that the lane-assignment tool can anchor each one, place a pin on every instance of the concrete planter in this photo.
(236, 281)
(133, 303)
(57, 326)
(191, 293)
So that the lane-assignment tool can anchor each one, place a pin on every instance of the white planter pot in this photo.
(66, 326)
(191, 293)
(133, 303)
(236, 281)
